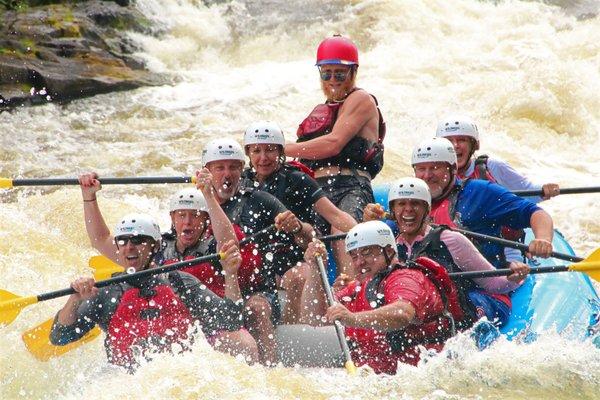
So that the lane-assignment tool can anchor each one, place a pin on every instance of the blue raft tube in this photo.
(565, 302)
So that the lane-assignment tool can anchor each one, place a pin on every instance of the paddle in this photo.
(11, 304)
(591, 269)
(510, 243)
(7, 183)
(105, 266)
(339, 329)
(577, 190)
(37, 339)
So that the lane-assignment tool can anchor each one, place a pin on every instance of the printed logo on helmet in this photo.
(352, 243)
(451, 128)
(186, 202)
(226, 152)
(383, 232)
(263, 136)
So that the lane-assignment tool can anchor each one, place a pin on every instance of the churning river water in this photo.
(528, 73)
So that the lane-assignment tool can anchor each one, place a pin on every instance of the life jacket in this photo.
(443, 212)
(437, 329)
(359, 153)
(211, 273)
(297, 165)
(432, 247)
(262, 278)
(482, 172)
(151, 318)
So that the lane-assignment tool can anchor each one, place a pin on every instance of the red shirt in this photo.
(406, 285)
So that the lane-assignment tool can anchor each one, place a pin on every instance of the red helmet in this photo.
(337, 50)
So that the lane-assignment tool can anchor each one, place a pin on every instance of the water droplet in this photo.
(131, 270)
(269, 256)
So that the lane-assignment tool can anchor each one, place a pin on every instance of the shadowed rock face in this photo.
(63, 52)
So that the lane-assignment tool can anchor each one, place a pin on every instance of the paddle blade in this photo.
(6, 183)
(103, 267)
(11, 305)
(350, 367)
(37, 341)
(595, 256)
(590, 268)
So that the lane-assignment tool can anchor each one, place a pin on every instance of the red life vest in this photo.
(382, 350)
(143, 323)
(438, 328)
(211, 274)
(359, 153)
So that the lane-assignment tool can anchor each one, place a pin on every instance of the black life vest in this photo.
(433, 247)
(359, 153)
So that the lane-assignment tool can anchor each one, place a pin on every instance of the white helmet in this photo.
(264, 132)
(458, 125)
(188, 199)
(409, 188)
(222, 149)
(434, 150)
(371, 233)
(138, 224)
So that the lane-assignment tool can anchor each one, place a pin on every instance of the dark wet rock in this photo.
(68, 51)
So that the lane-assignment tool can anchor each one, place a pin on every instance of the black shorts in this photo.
(350, 193)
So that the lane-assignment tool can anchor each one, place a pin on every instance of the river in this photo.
(527, 72)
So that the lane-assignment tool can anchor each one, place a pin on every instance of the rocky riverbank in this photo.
(62, 52)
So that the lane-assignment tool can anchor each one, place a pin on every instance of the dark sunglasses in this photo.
(135, 240)
(338, 76)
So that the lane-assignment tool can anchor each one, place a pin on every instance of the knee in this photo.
(258, 307)
(296, 277)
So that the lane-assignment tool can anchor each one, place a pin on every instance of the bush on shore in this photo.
(24, 4)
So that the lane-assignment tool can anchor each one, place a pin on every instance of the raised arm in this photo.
(221, 226)
(97, 230)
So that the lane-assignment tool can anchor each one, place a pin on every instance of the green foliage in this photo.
(14, 4)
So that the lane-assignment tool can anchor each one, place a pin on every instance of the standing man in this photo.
(342, 140)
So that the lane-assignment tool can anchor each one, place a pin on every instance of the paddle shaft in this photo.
(339, 329)
(514, 245)
(506, 272)
(135, 275)
(577, 190)
(104, 181)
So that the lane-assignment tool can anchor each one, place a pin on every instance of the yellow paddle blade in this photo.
(350, 367)
(6, 183)
(11, 305)
(104, 267)
(590, 268)
(37, 341)
(595, 256)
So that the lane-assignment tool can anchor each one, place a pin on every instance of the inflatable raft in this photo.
(565, 302)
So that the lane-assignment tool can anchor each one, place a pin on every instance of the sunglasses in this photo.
(135, 240)
(338, 76)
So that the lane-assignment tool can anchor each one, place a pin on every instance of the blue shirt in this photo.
(485, 207)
